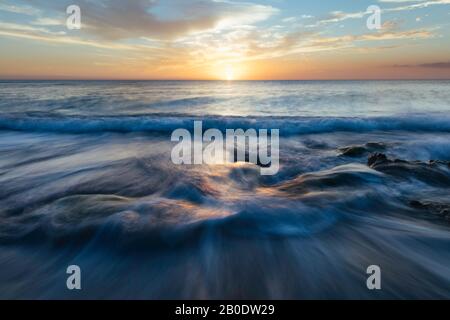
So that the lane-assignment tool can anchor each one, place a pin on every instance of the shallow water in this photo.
(87, 179)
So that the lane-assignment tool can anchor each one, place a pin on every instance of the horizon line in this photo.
(219, 80)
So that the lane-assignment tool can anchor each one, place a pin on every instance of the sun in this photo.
(229, 73)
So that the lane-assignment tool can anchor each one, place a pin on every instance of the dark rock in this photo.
(376, 146)
(440, 162)
(359, 150)
(417, 204)
(438, 209)
(377, 158)
(433, 173)
(354, 151)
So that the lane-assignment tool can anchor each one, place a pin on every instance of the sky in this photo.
(225, 40)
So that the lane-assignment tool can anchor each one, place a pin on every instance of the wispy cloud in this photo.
(419, 5)
(19, 9)
(339, 16)
(47, 22)
(400, 1)
(117, 19)
(433, 65)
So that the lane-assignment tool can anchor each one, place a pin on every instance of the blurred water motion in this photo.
(86, 179)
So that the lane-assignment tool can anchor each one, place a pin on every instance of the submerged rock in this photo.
(353, 151)
(440, 162)
(433, 172)
(440, 209)
(359, 150)
(346, 176)
(375, 145)
(376, 159)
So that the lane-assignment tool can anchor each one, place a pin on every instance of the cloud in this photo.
(257, 47)
(27, 10)
(433, 65)
(339, 16)
(63, 40)
(15, 27)
(118, 19)
(296, 19)
(400, 1)
(389, 35)
(48, 22)
(180, 34)
(419, 5)
(390, 25)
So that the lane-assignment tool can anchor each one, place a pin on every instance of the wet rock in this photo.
(360, 150)
(376, 145)
(377, 159)
(439, 209)
(433, 173)
(440, 162)
(349, 176)
(353, 151)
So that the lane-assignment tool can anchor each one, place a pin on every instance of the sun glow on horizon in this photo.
(229, 73)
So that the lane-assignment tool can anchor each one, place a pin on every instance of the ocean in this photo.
(86, 179)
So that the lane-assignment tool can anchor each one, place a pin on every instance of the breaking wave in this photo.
(288, 125)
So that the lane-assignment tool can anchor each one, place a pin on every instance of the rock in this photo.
(377, 158)
(359, 150)
(353, 151)
(440, 162)
(417, 204)
(434, 173)
(376, 145)
(438, 209)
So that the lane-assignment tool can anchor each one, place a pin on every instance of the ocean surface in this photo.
(86, 179)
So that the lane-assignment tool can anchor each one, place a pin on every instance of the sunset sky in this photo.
(221, 39)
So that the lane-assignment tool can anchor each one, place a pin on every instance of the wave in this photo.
(186, 211)
(164, 123)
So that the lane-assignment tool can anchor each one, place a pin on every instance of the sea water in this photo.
(86, 179)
